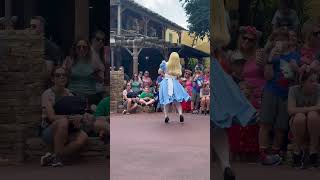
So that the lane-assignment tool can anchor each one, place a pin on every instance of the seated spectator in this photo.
(60, 132)
(285, 17)
(84, 72)
(146, 98)
(205, 98)
(102, 126)
(147, 81)
(136, 84)
(303, 108)
(130, 100)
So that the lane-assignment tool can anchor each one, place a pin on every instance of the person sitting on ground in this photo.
(136, 84)
(205, 98)
(84, 72)
(304, 108)
(102, 116)
(129, 100)
(60, 132)
(146, 98)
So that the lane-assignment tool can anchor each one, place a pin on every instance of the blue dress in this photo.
(179, 93)
(228, 105)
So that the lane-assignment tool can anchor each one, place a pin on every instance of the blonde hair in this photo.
(173, 65)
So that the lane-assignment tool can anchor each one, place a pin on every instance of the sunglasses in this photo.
(249, 39)
(82, 47)
(33, 26)
(60, 75)
(316, 34)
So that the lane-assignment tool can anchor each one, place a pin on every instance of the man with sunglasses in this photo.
(52, 53)
(97, 51)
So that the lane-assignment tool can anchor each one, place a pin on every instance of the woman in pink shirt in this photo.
(244, 140)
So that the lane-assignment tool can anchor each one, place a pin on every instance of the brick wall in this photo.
(22, 71)
(116, 88)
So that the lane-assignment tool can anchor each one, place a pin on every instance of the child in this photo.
(196, 84)
(205, 98)
(146, 98)
(280, 75)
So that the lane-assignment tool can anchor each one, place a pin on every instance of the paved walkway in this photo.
(91, 169)
(245, 171)
(143, 147)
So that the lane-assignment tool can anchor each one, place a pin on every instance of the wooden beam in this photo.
(82, 19)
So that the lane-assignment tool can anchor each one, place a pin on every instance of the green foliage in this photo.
(198, 12)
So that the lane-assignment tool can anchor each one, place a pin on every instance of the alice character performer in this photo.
(228, 105)
(171, 91)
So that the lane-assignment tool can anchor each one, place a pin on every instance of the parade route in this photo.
(143, 147)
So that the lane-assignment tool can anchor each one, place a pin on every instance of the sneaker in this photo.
(124, 111)
(56, 161)
(46, 159)
(228, 174)
(313, 158)
(271, 160)
(181, 118)
(297, 159)
(166, 120)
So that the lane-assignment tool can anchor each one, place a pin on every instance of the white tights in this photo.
(178, 106)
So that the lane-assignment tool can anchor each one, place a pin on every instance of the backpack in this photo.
(70, 105)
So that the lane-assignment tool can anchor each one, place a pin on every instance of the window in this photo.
(170, 37)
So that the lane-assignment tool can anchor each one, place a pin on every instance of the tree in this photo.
(198, 12)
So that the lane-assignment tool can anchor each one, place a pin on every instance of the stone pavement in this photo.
(248, 171)
(91, 169)
(143, 147)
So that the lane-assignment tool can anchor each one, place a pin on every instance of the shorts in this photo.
(195, 97)
(47, 133)
(274, 110)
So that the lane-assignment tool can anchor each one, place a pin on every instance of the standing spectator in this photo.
(196, 84)
(274, 115)
(52, 53)
(147, 81)
(205, 98)
(136, 85)
(187, 83)
(84, 72)
(247, 66)
(97, 52)
(199, 66)
(206, 75)
(285, 17)
(310, 49)
(304, 107)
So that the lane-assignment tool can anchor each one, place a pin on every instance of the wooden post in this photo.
(146, 21)
(119, 20)
(135, 58)
(81, 19)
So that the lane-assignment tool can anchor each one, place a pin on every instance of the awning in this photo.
(188, 52)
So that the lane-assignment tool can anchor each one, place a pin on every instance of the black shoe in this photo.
(228, 174)
(166, 120)
(313, 160)
(181, 119)
(297, 159)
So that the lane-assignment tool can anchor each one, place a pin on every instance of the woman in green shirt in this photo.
(136, 84)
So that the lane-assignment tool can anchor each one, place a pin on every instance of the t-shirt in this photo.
(48, 96)
(136, 86)
(296, 94)
(290, 20)
(197, 84)
(144, 95)
(103, 108)
(283, 75)
(82, 79)
(125, 92)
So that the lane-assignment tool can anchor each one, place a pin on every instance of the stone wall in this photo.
(22, 71)
(116, 88)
